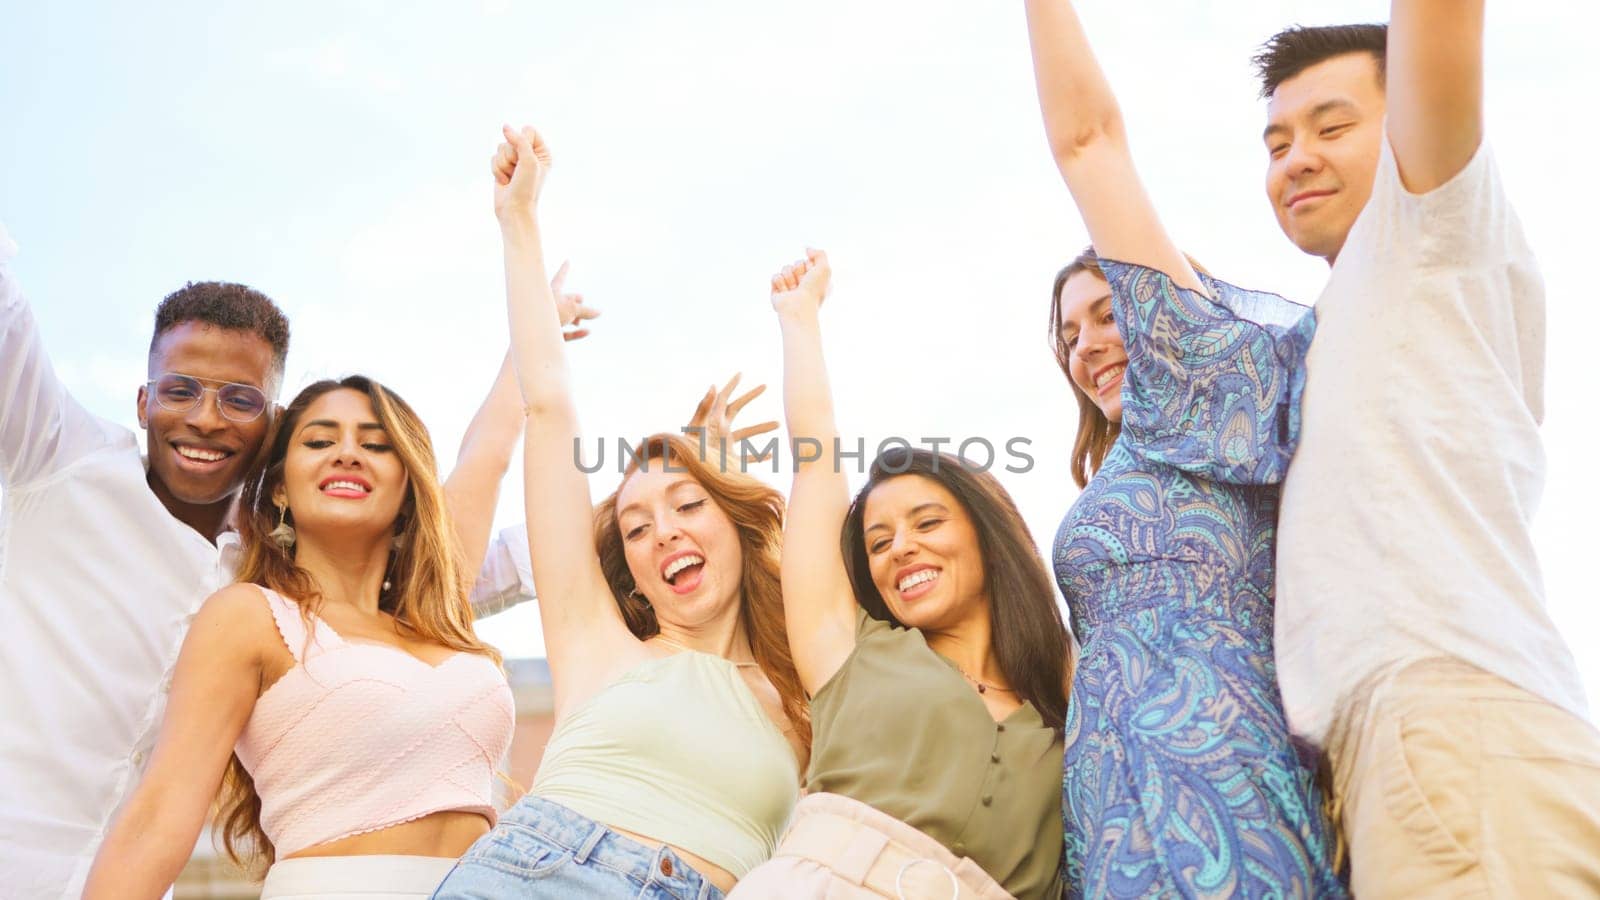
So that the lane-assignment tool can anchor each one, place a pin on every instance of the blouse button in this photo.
(666, 867)
(988, 799)
(1000, 728)
(959, 848)
(994, 757)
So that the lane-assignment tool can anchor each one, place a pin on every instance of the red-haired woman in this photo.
(680, 724)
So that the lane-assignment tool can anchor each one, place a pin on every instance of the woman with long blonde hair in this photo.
(680, 723)
(337, 693)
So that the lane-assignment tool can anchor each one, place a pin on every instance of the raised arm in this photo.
(42, 427)
(1090, 145)
(1434, 88)
(214, 688)
(505, 580)
(819, 606)
(473, 488)
(579, 615)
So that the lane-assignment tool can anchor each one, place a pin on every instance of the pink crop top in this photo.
(360, 736)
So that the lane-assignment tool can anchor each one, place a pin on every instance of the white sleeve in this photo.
(1465, 223)
(42, 428)
(506, 578)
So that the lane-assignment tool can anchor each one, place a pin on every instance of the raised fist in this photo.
(802, 285)
(519, 166)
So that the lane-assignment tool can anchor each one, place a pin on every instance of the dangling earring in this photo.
(283, 535)
(633, 594)
(396, 544)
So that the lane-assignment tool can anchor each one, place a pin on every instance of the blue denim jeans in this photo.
(543, 849)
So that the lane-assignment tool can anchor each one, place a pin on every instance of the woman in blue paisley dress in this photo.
(1179, 776)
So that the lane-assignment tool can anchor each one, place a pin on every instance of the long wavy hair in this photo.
(1096, 433)
(757, 514)
(1027, 636)
(427, 593)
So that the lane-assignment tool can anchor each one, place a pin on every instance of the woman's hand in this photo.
(798, 290)
(570, 307)
(713, 420)
(519, 166)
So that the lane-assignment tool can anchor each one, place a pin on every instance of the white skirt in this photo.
(356, 878)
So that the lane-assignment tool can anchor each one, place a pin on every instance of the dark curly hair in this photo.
(1294, 50)
(224, 304)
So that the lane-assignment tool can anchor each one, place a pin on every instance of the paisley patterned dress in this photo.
(1179, 775)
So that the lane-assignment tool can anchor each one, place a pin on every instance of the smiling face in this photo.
(1096, 358)
(681, 548)
(923, 553)
(199, 457)
(1324, 134)
(340, 472)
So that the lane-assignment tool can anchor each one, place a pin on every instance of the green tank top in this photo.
(899, 729)
(677, 749)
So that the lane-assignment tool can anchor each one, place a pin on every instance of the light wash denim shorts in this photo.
(543, 849)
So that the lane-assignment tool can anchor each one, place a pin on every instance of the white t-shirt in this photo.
(1404, 531)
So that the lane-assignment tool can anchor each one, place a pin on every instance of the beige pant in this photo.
(841, 849)
(1451, 782)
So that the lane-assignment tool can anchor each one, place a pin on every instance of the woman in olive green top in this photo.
(929, 640)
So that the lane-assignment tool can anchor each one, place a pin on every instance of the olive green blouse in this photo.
(899, 729)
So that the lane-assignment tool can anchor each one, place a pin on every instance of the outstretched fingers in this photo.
(750, 432)
(743, 399)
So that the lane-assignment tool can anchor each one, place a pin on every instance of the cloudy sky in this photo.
(334, 155)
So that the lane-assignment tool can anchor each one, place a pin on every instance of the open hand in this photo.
(802, 285)
(715, 416)
(519, 166)
(570, 306)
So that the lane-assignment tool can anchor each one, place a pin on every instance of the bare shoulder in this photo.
(237, 616)
(238, 602)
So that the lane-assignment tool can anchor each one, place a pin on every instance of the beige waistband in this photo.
(881, 859)
(376, 877)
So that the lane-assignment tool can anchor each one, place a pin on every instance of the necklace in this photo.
(984, 688)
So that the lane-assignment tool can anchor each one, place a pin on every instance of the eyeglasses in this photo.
(236, 402)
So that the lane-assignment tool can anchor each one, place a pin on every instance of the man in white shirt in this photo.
(1413, 643)
(105, 558)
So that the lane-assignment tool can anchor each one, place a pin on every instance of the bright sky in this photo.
(335, 156)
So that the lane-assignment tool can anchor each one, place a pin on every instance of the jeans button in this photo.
(666, 867)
